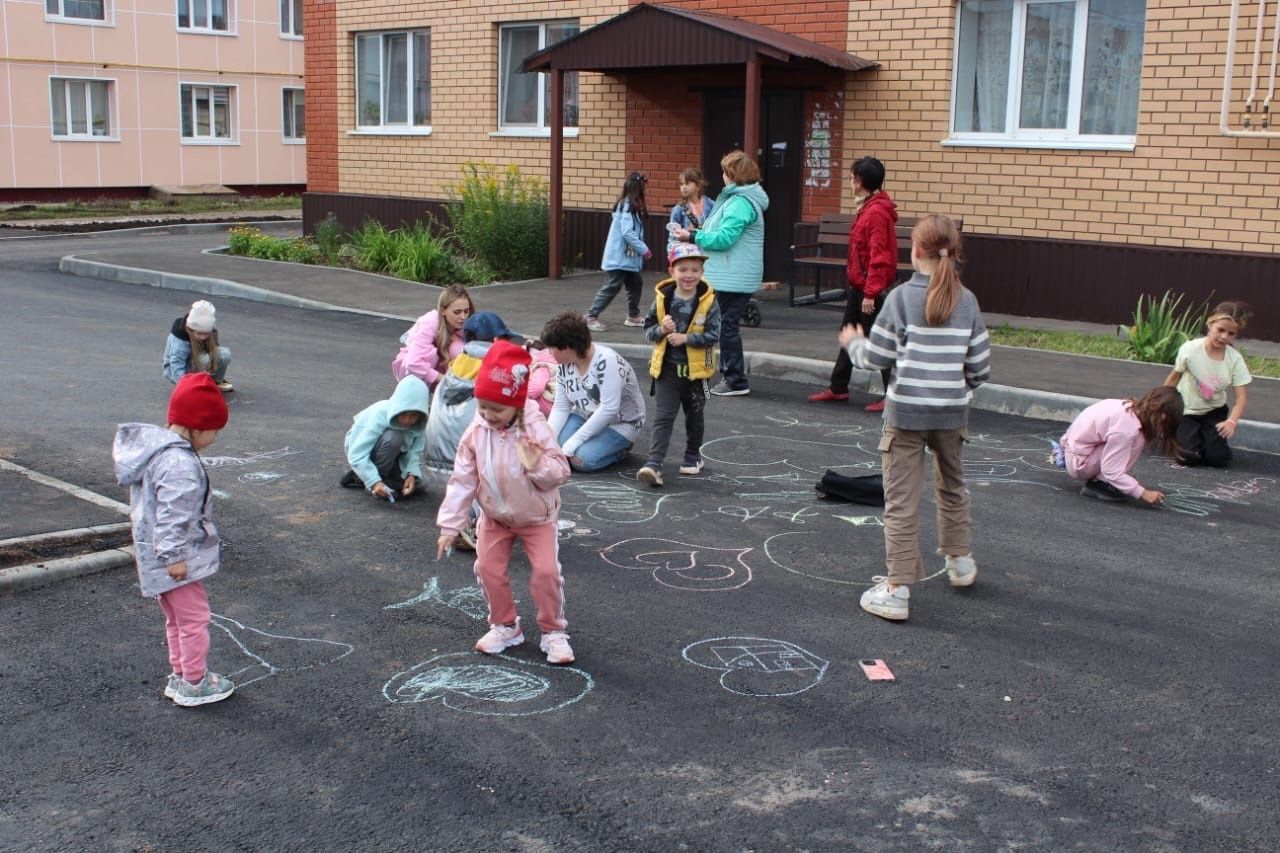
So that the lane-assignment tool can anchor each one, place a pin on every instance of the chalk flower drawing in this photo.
(757, 666)
(679, 565)
(273, 654)
(468, 599)
(495, 687)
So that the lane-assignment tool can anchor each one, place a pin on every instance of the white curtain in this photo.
(1046, 64)
(982, 66)
(1113, 67)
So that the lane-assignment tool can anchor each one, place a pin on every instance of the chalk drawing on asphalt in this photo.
(273, 654)
(259, 477)
(757, 666)
(776, 549)
(570, 527)
(614, 502)
(468, 599)
(1201, 502)
(498, 686)
(680, 565)
(219, 494)
(248, 459)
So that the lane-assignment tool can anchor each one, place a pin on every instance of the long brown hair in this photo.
(1233, 310)
(937, 238)
(209, 347)
(1159, 412)
(448, 296)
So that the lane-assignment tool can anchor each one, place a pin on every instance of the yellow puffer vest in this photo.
(702, 360)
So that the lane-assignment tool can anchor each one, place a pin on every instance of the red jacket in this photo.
(873, 246)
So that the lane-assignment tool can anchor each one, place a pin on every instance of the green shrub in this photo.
(250, 242)
(1160, 328)
(240, 239)
(500, 217)
(374, 246)
(419, 256)
(328, 238)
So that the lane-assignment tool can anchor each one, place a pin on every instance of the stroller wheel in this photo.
(751, 316)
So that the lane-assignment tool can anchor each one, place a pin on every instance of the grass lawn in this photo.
(105, 208)
(1111, 346)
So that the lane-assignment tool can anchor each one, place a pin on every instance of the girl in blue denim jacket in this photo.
(624, 255)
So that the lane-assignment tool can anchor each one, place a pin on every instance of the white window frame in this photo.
(70, 135)
(108, 18)
(540, 129)
(206, 30)
(381, 128)
(233, 113)
(289, 22)
(286, 117)
(1014, 137)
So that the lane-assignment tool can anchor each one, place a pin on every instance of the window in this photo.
(214, 15)
(88, 10)
(81, 109)
(295, 115)
(1045, 71)
(291, 17)
(206, 113)
(393, 80)
(524, 100)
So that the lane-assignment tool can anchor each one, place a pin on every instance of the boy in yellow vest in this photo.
(684, 325)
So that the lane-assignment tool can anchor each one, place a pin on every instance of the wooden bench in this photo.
(827, 255)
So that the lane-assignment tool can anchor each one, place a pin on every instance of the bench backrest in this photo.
(833, 235)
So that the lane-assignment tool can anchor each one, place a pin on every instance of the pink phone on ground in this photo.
(876, 670)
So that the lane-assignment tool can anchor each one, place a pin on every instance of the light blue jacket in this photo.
(411, 395)
(733, 238)
(624, 248)
(169, 504)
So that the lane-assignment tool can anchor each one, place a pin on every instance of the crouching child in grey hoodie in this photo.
(175, 543)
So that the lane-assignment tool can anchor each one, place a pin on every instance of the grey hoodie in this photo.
(170, 505)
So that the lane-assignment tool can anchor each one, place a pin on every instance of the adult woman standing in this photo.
(871, 268)
(733, 238)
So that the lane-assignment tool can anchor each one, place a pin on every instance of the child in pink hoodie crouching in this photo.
(510, 462)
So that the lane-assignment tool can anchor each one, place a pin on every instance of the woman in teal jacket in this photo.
(733, 238)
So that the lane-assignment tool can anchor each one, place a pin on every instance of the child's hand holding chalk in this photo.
(444, 545)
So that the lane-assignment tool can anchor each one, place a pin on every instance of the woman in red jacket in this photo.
(871, 268)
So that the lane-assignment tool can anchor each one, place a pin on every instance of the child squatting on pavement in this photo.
(175, 543)
(385, 442)
(509, 461)
(192, 347)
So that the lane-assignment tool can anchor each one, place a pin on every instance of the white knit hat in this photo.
(201, 317)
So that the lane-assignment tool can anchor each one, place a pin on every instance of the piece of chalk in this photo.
(449, 552)
(391, 497)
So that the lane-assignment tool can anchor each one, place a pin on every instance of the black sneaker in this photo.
(350, 480)
(1103, 491)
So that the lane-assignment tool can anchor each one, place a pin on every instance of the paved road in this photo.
(1109, 684)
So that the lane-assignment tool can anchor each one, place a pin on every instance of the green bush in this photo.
(500, 217)
(413, 253)
(374, 246)
(250, 242)
(1160, 328)
(329, 238)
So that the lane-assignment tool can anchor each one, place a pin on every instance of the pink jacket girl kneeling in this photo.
(419, 356)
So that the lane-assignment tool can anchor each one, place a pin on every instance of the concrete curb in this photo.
(32, 575)
(1023, 402)
(177, 230)
(70, 534)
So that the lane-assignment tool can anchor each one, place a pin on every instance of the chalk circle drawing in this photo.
(774, 547)
(468, 599)
(679, 565)
(758, 666)
(259, 477)
(498, 686)
(248, 459)
(273, 654)
(616, 502)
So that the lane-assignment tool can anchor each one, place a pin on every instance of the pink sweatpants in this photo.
(494, 543)
(186, 627)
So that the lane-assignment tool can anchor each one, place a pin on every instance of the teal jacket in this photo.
(411, 395)
(733, 238)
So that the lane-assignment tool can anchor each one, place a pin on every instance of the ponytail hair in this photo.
(1159, 412)
(633, 195)
(448, 296)
(936, 237)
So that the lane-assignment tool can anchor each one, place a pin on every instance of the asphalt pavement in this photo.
(1108, 684)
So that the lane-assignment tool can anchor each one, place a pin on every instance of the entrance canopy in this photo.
(664, 38)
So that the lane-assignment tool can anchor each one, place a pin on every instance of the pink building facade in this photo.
(119, 95)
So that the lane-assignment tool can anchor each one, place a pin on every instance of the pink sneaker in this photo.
(556, 645)
(500, 638)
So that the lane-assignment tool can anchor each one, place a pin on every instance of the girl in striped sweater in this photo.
(930, 332)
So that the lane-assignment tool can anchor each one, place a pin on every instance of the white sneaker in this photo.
(885, 604)
(596, 325)
(556, 645)
(962, 571)
(500, 638)
(691, 465)
(171, 685)
(650, 475)
(636, 322)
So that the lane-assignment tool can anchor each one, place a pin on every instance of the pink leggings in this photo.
(186, 627)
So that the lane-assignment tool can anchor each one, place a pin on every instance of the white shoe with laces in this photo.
(500, 638)
(885, 604)
(962, 571)
(556, 645)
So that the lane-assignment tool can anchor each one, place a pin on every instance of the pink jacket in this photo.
(419, 357)
(487, 468)
(542, 375)
(1109, 434)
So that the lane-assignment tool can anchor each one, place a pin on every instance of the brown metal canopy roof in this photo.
(651, 37)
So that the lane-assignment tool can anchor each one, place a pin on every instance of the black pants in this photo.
(1198, 437)
(386, 457)
(733, 364)
(843, 370)
(675, 392)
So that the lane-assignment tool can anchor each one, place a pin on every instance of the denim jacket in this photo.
(625, 247)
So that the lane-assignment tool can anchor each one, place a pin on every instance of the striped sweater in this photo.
(934, 368)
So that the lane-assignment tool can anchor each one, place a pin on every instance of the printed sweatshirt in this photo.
(934, 367)
(608, 396)
(1110, 428)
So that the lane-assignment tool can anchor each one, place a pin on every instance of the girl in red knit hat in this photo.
(175, 543)
(509, 460)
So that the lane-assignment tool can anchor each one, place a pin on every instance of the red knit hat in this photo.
(504, 375)
(197, 403)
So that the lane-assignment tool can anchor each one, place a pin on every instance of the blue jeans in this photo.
(598, 452)
(224, 361)
(613, 282)
(733, 366)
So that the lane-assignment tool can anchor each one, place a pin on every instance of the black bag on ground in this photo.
(859, 490)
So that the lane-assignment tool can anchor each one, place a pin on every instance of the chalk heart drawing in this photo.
(679, 565)
(273, 654)
(498, 686)
(757, 666)
(616, 502)
(468, 599)
(778, 550)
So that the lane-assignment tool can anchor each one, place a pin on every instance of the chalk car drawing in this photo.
(758, 666)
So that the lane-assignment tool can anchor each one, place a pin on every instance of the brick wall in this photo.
(320, 22)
